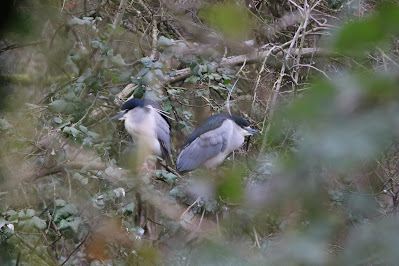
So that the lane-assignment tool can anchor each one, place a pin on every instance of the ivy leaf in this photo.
(66, 211)
(83, 128)
(78, 21)
(70, 224)
(4, 125)
(129, 209)
(93, 135)
(2, 222)
(71, 131)
(143, 72)
(166, 176)
(159, 75)
(164, 42)
(167, 54)
(38, 223)
(83, 180)
(148, 78)
(57, 120)
(192, 79)
(157, 65)
(172, 73)
(60, 202)
(118, 61)
(146, 62)
(58, 106)
(357, 36)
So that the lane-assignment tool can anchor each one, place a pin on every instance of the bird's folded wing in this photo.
(203, 148)
(163, 132)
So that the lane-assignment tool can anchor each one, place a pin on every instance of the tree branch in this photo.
(7, 47)
(120, 13)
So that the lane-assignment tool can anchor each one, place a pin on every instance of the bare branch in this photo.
(120, 13)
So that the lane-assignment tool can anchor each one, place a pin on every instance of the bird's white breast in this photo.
(140, 124)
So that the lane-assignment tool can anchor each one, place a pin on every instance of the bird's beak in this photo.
(251, 131)
(119, 116)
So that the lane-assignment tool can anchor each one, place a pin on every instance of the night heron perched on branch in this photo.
(213, 141)
(148, 125)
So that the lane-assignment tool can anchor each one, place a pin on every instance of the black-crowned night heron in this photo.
(213, 140)
(148, 125)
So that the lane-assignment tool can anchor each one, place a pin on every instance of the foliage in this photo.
(318, 187)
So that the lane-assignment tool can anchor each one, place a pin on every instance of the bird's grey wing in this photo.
(163, 133)
(203, 148)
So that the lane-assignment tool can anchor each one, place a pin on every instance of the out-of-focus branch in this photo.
(240, 59)
(11, 46)
(81, 159)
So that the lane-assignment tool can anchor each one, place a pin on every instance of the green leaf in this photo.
(172, 73)
(78, 21)
(73, 224)
(167, 53)
(60, 202)
(146, 62)
(2, 222)
(71, 131)
(66, 211)
(129, 209)
(30, 213)
(57, 120)
(148, 79)
(210, 68)
(157, 65)
(363, 34)
(58, 106)
(192, 79)
(4, 125)
(83, 128)
(158, 73)
(229, 17)
(125, 76)
(231, 188)
(166, 176)
(143, 72)
(164, 42)
(26, 214)
(88, 142)
(83, 180)
(93, 135)
(38, 223)
(118, 61)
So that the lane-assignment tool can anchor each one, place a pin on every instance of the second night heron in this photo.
(148, 125)
(213, 141)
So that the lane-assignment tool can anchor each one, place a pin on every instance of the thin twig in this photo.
(73, 251)
(280, 78)
(189, 207)
(229, 95)
(313, 67)
(256, 237)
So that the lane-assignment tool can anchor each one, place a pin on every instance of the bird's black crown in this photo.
(240, 121)
(135, 102)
